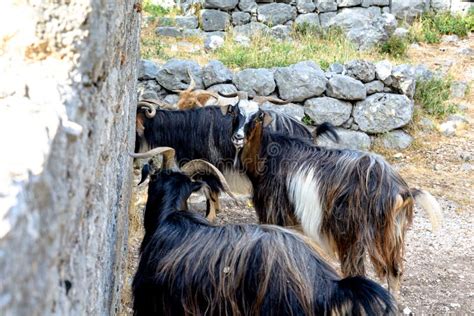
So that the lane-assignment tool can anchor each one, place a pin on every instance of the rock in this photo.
(187, 22)
(215, 72)
(401, 32)
(383, 70)
(305, 6)
(383, 112)
(213, 42)
(196, 33)
(347, 124)
(336, 68)
(427, 124)
(375, 11)
(440, 5)
(325, 18)
(408, 10)
(255, 81)
(173, 75)
(168, 31)
(275, 13)
(377, 30)
(240, 18)
(347, 139)
(291, 109)
(345, 88)
(214, 20)
(462, 107)
(248, 6)
(300, 81)
(281, 32)
(458, 89)
(220, 4)
(148, 89)
(165, 21)
(147, 70)
(385, 10)
(308, 20)
(327, 109)
(251, 29)
(374, 87)
(172, 99)
(242, 40)
(225, 88)
(326, 6)
(348, 3)
(395, 140)
(449, 38)
(407, 311)
(361, 70)
(422, 72)
(466, 51)
(379, 3)
(403, 79)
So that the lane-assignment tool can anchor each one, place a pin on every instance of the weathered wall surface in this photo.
(67, 95)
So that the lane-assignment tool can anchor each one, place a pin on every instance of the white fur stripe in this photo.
(303, 191)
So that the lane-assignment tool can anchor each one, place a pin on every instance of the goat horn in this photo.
(262, 99)
(198, 165)
(192, 84)
(167, 152)
(205, 92)
(159, 103)
(243, 95)
(150, 110)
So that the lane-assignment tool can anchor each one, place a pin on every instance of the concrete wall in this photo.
(67, 97)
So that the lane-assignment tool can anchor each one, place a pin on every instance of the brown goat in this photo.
(189, 99)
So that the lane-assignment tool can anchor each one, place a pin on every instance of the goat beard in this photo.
(236, 158)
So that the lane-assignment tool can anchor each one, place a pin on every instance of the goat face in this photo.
(244, 114)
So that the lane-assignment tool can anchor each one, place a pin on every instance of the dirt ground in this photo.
(439, 274)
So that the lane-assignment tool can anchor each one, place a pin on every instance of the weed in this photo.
(395, 46)
(433, 95)
(154, 10)
(307, 120)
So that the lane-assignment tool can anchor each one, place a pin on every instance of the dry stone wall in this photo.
(367, 102)
(67, 107)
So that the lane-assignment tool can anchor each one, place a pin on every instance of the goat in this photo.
(199, 134)
(191, 267)
(348, 201)
(190, 98)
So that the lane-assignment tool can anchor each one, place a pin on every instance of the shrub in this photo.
(154, 10)
(433, 95)
(395, 46)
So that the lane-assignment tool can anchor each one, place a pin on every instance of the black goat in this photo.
(191, 267)
(348, 201)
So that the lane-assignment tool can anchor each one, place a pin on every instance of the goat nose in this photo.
(238, 136)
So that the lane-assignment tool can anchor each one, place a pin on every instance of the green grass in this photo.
(154, 10)
(323, 47)
(431, 26)
(432, 95)
(307, 120)
(395, 46)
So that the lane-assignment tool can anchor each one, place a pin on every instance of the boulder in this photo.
(248, 6)
(403, 79)
(240, 18)
(225, 88)
(214, 20)
(347, 140)
(168, 31)
(401, 32)
(383, 70)
(187, 22)
(281, 32)
(336, 68)
(305, 6)
(326, 6)
(173, 75)
(345, 88)
(379, 3)
(215, 72)
(220, 4)
(148, 89)
(172, 99)
(300, 81)
(255, 81)
(395, 140)
(375, 31)
(408, 10)
(213, 42)
(147, 70)
(325, 18)
(293, 110)
(458, 89)
(251, 29)
(308, 19)
(361, 70)
(327, 109)
(374, 87)
(348, 3)
(275, 13)
(383, 112)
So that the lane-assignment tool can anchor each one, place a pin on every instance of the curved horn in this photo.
(210, 93)
(150, 110)
(192, 83)
(167, 152)
(243, 95)
(159, 103)
(198, 165)
(262, 99)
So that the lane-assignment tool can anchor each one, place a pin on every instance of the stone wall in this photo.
(67, 107)
(366, 22)
(368, 102)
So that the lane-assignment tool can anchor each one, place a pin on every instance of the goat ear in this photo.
(145, 173)
(225, 109)
(267, 119)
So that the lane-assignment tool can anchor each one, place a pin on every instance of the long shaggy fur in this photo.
(190, 267)
(348, 201)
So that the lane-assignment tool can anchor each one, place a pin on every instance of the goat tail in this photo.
(361, 296)
(431, 206)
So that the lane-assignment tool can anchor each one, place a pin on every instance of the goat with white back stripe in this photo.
(191, 267)
(348, 201)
